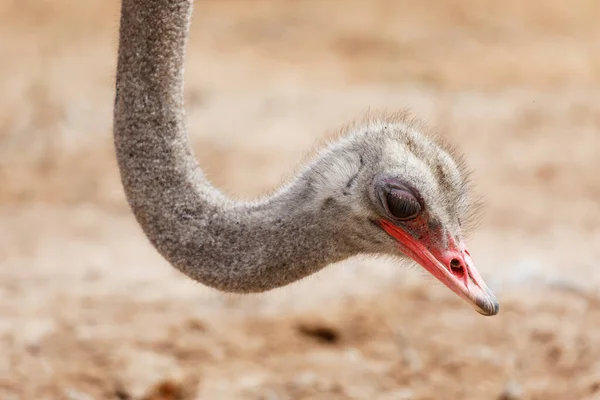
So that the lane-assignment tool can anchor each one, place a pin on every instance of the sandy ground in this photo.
(88, 310)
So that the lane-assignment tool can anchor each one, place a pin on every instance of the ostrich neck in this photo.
(228, 245)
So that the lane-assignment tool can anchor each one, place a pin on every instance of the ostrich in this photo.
(385, 188)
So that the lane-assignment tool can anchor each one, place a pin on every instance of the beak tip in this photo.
(488, 306)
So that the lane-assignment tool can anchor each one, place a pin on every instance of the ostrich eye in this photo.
(402, 204)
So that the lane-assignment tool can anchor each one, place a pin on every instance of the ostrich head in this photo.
(391, 189)
(386, 188)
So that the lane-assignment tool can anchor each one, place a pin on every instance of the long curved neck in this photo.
(228, 245)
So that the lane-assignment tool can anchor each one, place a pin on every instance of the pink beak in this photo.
(452, 266)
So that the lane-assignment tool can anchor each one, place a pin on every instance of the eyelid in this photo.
(392, 183)
(406, 197)
(385, 184)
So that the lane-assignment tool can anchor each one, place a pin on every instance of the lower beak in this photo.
(452, 266)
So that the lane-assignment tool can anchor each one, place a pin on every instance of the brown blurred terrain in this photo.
(88, 310)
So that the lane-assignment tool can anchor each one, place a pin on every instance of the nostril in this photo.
(457, 268)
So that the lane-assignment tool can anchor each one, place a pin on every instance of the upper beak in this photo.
(453, 266)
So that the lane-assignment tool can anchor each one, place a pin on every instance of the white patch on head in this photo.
(334, 176)
(450, 168)
(332, 173)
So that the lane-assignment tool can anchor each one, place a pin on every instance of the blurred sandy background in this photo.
(88, 310)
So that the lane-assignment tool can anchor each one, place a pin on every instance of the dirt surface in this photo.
(88, 310)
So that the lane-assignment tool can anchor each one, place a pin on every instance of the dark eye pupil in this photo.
(402, 205)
